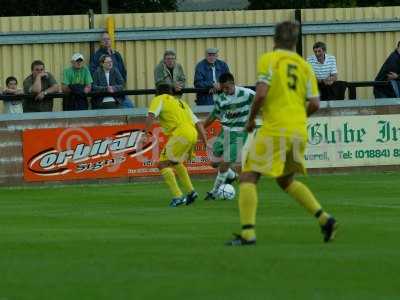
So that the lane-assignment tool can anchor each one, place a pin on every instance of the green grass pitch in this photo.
(124, 242)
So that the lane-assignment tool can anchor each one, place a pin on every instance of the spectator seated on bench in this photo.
(325, 69)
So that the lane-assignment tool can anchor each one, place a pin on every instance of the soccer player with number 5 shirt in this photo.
(276, 149)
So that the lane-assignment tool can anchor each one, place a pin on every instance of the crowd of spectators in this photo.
(106, 72)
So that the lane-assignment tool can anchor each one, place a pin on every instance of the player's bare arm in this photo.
(149, 122)
(261, 93)
(202, 132)
(37, 83)
(312, 105)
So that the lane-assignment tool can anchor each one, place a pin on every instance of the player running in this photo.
(232, 108)
(285, 81)
(182, 127)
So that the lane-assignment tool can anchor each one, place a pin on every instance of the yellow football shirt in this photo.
(291, 81)
(172, 112)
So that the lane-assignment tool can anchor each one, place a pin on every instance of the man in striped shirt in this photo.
(324, 66)
(231, 108)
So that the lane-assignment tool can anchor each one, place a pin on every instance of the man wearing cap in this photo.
(76, 82)
(206, 76)
(168, 71)
(39, 83)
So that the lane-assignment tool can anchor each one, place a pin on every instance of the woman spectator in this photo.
(107, 79)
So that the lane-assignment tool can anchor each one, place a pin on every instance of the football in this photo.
(226, 192)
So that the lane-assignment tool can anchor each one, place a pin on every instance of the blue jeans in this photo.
(396, 87)
(127, 103)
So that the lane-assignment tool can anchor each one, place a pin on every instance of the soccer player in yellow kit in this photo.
(276, 149)
(181, 126)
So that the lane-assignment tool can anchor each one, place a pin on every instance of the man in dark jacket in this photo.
(118, 63)
(206, 76)
(106, 48)
(390, 71)
(107, 79)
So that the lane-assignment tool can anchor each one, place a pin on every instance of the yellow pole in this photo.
(110, 27)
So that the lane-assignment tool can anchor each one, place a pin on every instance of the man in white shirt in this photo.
(324, 66)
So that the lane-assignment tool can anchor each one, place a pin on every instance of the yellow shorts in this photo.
(180, 146)
(273, 156)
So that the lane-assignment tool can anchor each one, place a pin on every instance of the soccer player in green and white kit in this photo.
(232, 108)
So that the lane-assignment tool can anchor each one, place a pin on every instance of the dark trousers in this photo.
(392, 90)
(76, 100)
(335, 91)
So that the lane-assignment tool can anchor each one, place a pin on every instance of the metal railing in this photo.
(8, 97)
(351, 86)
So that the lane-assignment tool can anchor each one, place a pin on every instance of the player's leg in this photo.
(232, 175)
(236, 144)
(248, 201)
(255, 161)
(261, 156)
(216, 157)
(182, 149)
(222, 177)
(167, 172)
(184, 178)
(301, 193)
(172, 154)
(225, 153)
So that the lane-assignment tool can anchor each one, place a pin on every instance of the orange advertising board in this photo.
(100, 152)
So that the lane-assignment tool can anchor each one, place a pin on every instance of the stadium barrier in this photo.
(350, 86)
(343, 135)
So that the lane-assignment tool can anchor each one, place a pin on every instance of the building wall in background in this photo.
(359, 55)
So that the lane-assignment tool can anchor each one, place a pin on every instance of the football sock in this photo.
(220, 179)
(170, 180)
(247, 208)
(305, 197)
(184, 178)
(231, 173)
(322, 216)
